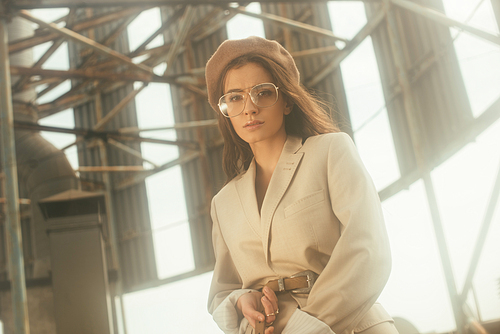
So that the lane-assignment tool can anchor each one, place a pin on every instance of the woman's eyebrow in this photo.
(235, 90)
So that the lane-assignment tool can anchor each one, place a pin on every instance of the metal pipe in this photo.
(9, 166)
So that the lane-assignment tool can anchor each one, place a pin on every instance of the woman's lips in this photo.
(252, 125)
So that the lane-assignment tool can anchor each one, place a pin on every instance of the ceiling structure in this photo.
(103, 72)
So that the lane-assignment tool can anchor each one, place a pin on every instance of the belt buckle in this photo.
(311, 279)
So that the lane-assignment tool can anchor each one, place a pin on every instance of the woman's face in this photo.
(256, 125)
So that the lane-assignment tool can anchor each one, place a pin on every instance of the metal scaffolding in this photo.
(104, 70)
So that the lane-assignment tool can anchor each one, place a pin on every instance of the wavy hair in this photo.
(309, 115)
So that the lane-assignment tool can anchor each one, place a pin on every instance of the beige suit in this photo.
(321, 212)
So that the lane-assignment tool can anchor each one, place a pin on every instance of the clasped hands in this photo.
(250, 303)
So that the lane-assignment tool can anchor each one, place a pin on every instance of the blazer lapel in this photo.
(283, 174)
(245, 187)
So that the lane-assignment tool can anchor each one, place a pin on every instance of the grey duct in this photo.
(43, 170)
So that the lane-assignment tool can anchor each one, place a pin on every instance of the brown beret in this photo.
(232, 49)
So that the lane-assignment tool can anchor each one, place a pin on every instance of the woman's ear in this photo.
(288, 107)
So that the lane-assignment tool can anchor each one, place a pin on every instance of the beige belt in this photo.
(299, 283)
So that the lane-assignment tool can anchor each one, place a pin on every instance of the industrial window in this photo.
(167, 204)
(365, 99)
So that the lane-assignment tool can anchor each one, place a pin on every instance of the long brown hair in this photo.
(309, 115)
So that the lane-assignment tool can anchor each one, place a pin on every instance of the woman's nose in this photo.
(250, 107)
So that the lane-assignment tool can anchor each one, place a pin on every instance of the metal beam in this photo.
(350, 46)
(42, 35)
(469, 134)
(104, 134)
(289, 23)
(138, 178)
(215, 20)
(443, 252)
(481, 237)
(177, 126)
(314, 52)
(86, 41)
(9, 167)
(445, 20)
(184, 25)
(165, 25)
(106, 169)
(131, 151)
(29, 4)
(53, 48)
(89, 73)
(118, 108)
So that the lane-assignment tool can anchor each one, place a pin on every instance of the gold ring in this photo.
(277, 311)
(270, 314)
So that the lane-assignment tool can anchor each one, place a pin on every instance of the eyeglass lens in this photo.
(263, 95)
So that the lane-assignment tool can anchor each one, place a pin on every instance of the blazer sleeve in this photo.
(226, 286)
(360, 263)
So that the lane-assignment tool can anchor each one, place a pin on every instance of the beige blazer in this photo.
(321, 212)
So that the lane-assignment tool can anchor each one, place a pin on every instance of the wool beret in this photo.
(232, 49)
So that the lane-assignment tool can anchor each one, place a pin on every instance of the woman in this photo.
(298, 232)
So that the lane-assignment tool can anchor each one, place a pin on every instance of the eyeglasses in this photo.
(263, 95)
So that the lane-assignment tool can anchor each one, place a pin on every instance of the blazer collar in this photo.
(283, 174)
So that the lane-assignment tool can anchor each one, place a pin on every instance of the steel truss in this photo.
(105, 70)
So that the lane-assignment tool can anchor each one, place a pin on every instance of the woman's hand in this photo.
(250, 303)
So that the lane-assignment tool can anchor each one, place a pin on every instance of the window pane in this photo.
(479, 59)
(376, 147)
(362, 84)
(243, 26)
(347, 17)
(416, 290)
(369, 118)
(144, 26)
(173, 250)
(463, 186)
(179, 307)
(166, 198)
(154, 106)
(58, 61)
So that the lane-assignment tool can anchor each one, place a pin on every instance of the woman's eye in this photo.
(235, 98)
(263, 93)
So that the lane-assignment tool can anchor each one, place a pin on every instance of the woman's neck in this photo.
(267, 155)
(266, 158)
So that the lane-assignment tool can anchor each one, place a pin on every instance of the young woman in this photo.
(298, 232)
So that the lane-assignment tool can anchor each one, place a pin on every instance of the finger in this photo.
(268, 309)
(269, 293)
(253, 317)
(269, 330)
